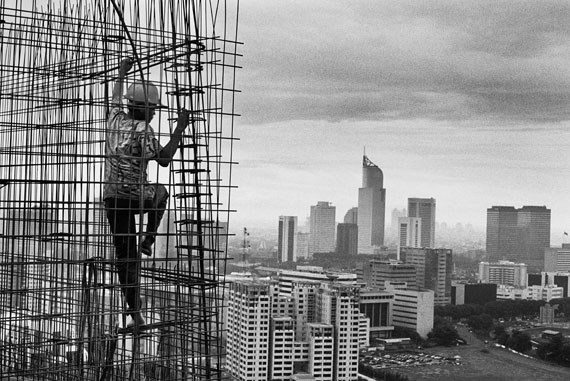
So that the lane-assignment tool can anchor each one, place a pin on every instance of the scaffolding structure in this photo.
(62, 313)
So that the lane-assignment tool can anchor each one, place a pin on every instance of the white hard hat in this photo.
(136, 93)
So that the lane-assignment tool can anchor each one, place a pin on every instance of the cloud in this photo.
(391, 60)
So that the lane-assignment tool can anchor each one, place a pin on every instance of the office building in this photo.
(351, 216)
(303, 246)
(308, 273)
(376, 273)
(409, 232)
(322, 228)
(559, 279)
(377, 306)
(503, 272)
(557, 259)
(473, 293)
(371, 208)
(287, 239)
(424, 208)
(433, 268)
(347, 239)
(413, 309)
(519, 235)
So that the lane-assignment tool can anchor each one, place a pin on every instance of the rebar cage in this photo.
(62, 313)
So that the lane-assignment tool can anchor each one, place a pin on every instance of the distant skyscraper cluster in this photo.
(363, 228)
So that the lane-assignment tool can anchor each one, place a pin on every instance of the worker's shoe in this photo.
(136, 321)
(146, 246)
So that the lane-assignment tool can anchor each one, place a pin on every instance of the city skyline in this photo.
(464, 102)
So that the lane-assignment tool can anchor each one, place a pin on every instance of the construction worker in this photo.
(130, 144)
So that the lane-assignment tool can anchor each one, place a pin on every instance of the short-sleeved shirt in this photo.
(129, 145)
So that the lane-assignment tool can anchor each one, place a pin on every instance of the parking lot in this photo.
(382, 360)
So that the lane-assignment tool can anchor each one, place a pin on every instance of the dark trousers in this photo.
(121, 215)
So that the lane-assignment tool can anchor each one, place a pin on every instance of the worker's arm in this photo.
(126, 65)
(169, 150)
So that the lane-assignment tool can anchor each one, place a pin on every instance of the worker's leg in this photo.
(155, 210)
(121, 216)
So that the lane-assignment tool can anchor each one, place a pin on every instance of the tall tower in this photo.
(323, 223)
(371, 208)
(409, 232)
(287, 239)
(424, 208)
(519, 235)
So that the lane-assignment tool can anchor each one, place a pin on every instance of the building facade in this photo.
(347, 239)
(371, 208)
(473, 293)
(322, 228)
(424, 208)
(378, 307)
(433, 268)
(557, 259)
(413, 309)
(503, 272)
(519, 235)
(409, 232)
(287, 239)
(316, 328)
(376, 273)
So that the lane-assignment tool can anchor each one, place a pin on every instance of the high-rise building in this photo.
(351, 216)
(314, 328)
(409, 232)
(519, 235)
(503, 272)
(347, 239)
(371, 208)
(248, 338)
(337, 305)
(322, 228)
(287, 239)
(424, 208)
(557, 259)
(433, 268)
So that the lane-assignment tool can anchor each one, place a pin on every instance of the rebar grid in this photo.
(62, 314)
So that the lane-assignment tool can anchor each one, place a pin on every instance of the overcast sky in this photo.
(464, 101)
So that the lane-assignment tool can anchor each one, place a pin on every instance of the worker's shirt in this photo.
(129, 145)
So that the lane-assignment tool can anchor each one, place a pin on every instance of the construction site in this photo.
(63, 314)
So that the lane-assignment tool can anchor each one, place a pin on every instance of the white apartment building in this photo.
(317, 325)
(409, 232)
(321, 347)
(248, 330)
(282, 339)
(503, 272)
(413, 309)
